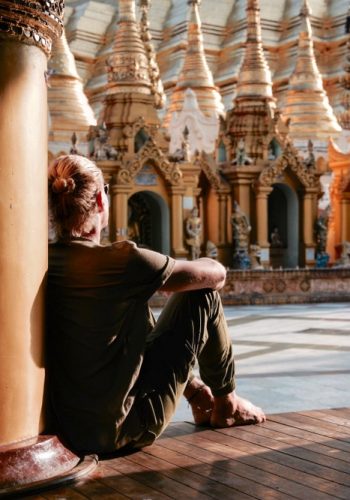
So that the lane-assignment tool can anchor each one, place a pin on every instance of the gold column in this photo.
(243, 195)
(345, 218)
(23, 243)
(222, 198)
(23, 261)
(262, 223)
(224, 247)
(309, 216)
(177, 223)
(120, 213)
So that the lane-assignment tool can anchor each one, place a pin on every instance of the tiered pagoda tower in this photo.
(146, 188)
(252, 125)
(69, 109)
(132, 91)
(307, 105)
(253, 118)
(195, 101)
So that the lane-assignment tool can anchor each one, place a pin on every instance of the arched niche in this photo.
(222, 155)
(148, 221)
(283, 214)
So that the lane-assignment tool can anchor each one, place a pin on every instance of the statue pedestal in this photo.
(277, 257)
(241, 260)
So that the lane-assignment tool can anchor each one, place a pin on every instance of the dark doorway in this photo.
(148, 221)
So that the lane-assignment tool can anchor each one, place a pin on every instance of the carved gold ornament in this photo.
(290, 158)
(149, 151)
(35, 22)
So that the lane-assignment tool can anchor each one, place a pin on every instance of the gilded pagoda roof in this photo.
(254, 80)
(68, 105)
(195, 73)
(128, 65)
(307, 105)
(90, 29)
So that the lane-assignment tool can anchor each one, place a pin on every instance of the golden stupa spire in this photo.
(195, 73)
(128, 66)
(133, 90)
(254, 79)
(307, 105)
(252, 120)
(157, 85)
(68, 105)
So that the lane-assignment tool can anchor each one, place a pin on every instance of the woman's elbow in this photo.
(220, 277)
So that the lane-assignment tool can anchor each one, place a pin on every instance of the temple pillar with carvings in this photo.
(177, 223)
(242, 187)
(262, 236)
(26, 33)
(241, 179)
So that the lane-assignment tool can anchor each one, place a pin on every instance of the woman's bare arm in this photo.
(195, 275)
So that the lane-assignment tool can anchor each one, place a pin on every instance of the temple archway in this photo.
(283, 224)
(148, 221)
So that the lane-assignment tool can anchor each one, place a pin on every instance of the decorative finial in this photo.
(305, 9)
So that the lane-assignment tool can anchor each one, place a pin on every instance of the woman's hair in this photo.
(73, 183)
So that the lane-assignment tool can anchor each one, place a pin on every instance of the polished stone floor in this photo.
(290, 357)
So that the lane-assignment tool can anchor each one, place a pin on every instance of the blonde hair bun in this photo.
(61, 185)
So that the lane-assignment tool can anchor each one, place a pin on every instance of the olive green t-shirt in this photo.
(98, 320)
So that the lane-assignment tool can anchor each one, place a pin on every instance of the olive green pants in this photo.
(191, 327)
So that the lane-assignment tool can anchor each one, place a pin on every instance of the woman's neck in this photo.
(93, 235)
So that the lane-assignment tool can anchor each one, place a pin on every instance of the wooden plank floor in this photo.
(302, 455)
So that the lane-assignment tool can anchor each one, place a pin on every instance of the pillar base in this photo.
(39, 463)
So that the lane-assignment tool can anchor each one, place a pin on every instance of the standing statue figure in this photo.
(310, 160)
(241, 228)
(194, 232)
(211, 250)
(321, 230)
(276, 241)
(240, 232)
(241, 155)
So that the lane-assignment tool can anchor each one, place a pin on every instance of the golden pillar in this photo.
(337, 225)
(345, 217)
(119, 229)
(262, 236)
(309, 217)
(26, 33)
(222, 199)
(242, 192)
(224, 247)
(177, 223)
(339, 165)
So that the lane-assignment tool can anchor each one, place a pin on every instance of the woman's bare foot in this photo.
(233, 410)
(201, 400)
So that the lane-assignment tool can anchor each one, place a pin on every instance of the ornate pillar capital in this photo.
(33, 22)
